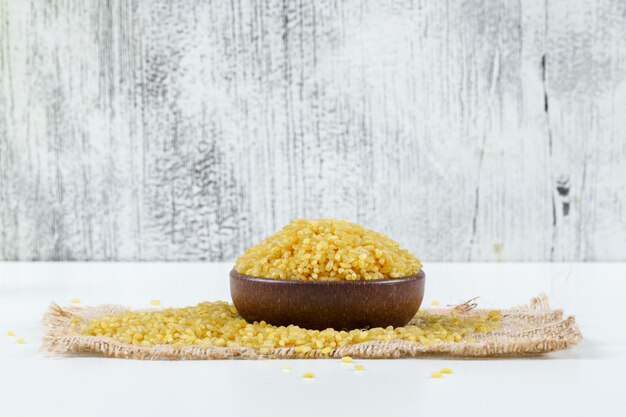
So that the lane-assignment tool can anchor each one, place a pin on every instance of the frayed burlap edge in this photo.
(526, 330)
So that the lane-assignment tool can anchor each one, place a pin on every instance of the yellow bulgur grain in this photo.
(308, 375)
(286, 368)
(446, 371)
(327, 250)
(219, 324)
(359, 368)
(346, 359)
(21, 340)
(74, 300)
(10, 333)
(435, 375)
(155, 302)
(434, 303)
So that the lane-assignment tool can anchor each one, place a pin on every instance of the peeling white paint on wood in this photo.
(188, 130)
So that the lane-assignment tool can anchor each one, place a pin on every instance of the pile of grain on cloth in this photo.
(526, 330)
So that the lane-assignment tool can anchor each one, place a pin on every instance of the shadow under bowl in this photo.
(342, 305)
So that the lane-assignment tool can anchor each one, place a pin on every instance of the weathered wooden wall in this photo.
(188, 130)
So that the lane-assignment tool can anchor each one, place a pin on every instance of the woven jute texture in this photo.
(527, 330)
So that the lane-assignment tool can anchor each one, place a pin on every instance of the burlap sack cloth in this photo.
(526, 330)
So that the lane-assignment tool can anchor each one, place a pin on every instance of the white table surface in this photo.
(587, 380)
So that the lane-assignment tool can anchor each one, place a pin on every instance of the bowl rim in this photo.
(273, 281)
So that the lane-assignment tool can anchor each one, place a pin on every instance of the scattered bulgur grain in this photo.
(308, 375)
(218, 324)
(10, 333)
(346, 359)
(155, 302)
(74, 300)
(359, 368)
(21, 340)
(435, 375)
(434, 303)
(446, 371)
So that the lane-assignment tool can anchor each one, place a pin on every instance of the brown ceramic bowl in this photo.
(323, 304)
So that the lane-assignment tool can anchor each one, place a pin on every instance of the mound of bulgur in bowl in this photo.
(327, 250)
